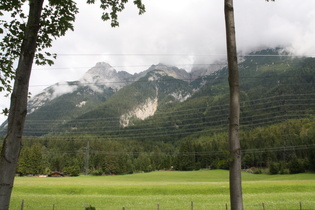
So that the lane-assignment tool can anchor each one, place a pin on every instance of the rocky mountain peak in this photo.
(103, 74)
(171, 71)
(99, 72)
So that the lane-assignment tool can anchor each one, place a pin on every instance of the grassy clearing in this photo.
(171, 189)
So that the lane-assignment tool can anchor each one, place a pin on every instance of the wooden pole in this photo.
(22, 205)
(263, 205)
(53, 207)
(192, 205)
(226, 207)
(158, 206)
(300, 205)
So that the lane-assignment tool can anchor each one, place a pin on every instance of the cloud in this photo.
(183, 32)
(282, 23)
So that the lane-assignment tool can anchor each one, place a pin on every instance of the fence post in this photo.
(53, 207)
(300, 205)
(22, 205)
(123, 208)
(263, 205)
(192, 205)
(158, 206)
(226, 207)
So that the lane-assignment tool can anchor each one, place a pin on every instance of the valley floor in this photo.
(203, 189)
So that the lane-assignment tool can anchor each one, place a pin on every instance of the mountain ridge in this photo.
(103, 76)
(96, 81)
(141, 99)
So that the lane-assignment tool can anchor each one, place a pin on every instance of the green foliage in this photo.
(274, 168)
(63, 109)
(186, 159)
(72, 170)
(283, 167)
(258, 171)
(57, 18)
(262, 147)
(311, 159)
(143, 163)
(90, 208)
(97, 172)
(295, 165)
(114, 8)
(31, 161)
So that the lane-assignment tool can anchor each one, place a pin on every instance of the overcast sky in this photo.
(176, 32)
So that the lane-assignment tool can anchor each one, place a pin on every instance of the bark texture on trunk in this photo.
(18, 107)
(234, 112)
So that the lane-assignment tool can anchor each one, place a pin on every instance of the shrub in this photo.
(283, 168)
(90, 208)
(296, 165)
(97, 172)
(274, 168)
(284, 171)
(72, 170)
(257, 171)
(221, 164)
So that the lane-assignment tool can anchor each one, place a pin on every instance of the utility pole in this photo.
(87, 156)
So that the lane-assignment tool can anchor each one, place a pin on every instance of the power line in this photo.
(94, 151)
(258, 104)
(165, 132)
(179, 65)
(182, 54)
(166, 80)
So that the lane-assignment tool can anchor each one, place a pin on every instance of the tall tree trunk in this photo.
(234, 115)
(18, 107)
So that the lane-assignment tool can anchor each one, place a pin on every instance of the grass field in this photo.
(172, 190)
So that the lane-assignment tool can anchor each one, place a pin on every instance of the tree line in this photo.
(287, 147)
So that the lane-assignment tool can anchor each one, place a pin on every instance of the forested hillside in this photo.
(49, 117)
(160, 122)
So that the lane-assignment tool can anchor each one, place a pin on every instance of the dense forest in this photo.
(277, 125)
(287, 147)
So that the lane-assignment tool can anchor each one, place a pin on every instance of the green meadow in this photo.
(205, 189)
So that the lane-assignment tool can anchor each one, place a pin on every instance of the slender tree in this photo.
(25, 42)
(236, 199)
(18, 109)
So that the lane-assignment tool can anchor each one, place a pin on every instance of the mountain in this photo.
(273, 89)
(99, 78)
(168, 103)
(65, 101)
(135, 102)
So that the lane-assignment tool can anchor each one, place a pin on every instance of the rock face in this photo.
(141, 112)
